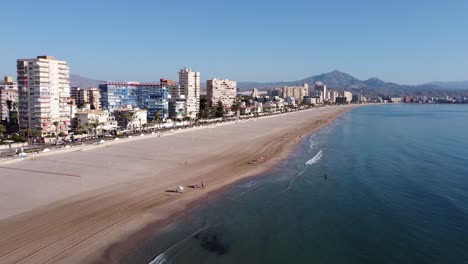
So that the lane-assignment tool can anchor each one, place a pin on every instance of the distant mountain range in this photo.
(340, 81)
(84, 82)
(372, 87)
(451, 85)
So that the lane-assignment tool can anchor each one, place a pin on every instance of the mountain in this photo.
(84, 82)
(372, 87)
(450, 85)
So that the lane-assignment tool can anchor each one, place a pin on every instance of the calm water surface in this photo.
(396, 191)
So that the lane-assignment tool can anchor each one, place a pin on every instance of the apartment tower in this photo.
(189, 86)
(221, 90)
(44, 94)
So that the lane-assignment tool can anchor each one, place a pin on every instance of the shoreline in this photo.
(114, 252)
(79, 228)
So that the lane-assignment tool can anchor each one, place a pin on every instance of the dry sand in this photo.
(68, 207)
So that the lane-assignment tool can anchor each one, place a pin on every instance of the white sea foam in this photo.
(315, 159)
(249, 185)
(312, 144)
(160, 259)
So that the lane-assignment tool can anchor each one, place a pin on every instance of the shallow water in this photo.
(395, 191)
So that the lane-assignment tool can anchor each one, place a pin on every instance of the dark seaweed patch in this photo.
(213, 243)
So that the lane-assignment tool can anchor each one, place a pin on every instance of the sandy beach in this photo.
(70, 206)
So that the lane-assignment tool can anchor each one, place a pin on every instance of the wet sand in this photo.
(69, 207)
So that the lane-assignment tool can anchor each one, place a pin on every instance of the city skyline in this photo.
(248, 42)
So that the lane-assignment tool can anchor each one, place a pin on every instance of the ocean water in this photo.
(395, 191)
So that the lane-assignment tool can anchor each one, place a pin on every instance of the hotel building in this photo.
(44, 94)
(189, 86)
(153, 97)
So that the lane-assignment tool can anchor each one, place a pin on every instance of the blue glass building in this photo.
(152, 97)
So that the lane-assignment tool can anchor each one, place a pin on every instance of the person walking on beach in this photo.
(325, 176)
(203, 185)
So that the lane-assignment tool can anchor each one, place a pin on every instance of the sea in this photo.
(381, 184)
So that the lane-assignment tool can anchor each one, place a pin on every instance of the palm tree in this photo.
(128, 117)
(157, 118)
(56, 124)
(95, 126)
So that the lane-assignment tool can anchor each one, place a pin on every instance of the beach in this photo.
(70, 206)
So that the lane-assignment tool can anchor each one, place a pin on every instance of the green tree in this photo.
(203, 103)
(157, 118)
(219, 109)
(2, 130)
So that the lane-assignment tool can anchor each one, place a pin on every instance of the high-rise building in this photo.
(91, 96)
(94, 98)
(333, 96)
(189, 86)
(320, 87)
(153, 97)
(44, 94)
(254, 93)
(8, 100)
(75, 93)
(348, 95)
(296, 92)
(221, 90)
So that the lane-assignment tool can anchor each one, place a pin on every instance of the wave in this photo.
(161, 258)
(312, 144)
(315, 159)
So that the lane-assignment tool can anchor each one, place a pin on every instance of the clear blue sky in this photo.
(402, 41)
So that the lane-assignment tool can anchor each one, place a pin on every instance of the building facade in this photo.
(94, 98)
(152, 97)
(131, 117)
(8, 101)
(321, 88)
(296, 92)
(348, 95)
(189, 86)
(221, 90)
(91, 96)
(87, 116)
(44, 94)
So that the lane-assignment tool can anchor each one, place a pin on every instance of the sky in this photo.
(408, 42)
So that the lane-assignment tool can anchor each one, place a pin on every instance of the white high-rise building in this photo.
(8, 99)
(348, 95)
(221, 90)
(296, 92)
(44, 94)
(189, 86)
(320, 87)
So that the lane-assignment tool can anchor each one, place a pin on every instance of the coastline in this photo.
(97, 220)
(113, 253)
